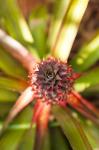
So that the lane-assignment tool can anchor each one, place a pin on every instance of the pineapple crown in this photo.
(52, 80)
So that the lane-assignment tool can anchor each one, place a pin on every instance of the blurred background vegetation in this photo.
(36, 24)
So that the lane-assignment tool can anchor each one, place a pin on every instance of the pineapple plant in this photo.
(48, 69)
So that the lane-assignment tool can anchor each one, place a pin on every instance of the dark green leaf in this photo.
(71, 129)
(28, 140)
(58, 141)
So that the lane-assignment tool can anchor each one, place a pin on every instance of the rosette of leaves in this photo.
(41, 29)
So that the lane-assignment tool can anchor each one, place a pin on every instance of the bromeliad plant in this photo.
(50, 86)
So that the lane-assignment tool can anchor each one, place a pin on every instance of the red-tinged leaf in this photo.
(46, 144)
(26, 98)
(84, 107)
(41, 125)
(37, 110)
(17, 50)
(71, 128)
